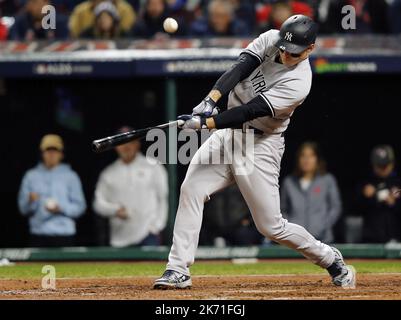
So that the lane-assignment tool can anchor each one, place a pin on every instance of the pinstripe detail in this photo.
(269, 104)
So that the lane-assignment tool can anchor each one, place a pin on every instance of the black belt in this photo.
(257, 131)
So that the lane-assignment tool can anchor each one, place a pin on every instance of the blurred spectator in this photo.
(65, 6)
(28, 23)
(151, 21)
(195, 9)
(221, 22)
(184, 11)
(3, 31)
(10, 7)
(272, 16)
(83, 16)
(51, 196)
(107, 23)
(310, 196)
(133, 193)
(380, 201)
(175, 5)
(136, 4)
(371, 16)
(227, 220)
(245, 10)
(395, 16)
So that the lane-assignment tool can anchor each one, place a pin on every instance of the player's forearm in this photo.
(234, 117)
(245, 65)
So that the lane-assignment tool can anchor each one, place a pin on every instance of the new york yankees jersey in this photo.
(283, 88)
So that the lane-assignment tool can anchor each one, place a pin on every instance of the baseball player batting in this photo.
(271, 78)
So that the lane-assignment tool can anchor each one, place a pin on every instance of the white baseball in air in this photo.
(170, 25)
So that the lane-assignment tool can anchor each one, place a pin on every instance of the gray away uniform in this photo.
(283, 88)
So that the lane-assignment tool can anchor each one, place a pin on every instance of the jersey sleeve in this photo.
(259, 46)
(283, 98)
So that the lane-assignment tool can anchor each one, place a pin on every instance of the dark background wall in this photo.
(347, 115)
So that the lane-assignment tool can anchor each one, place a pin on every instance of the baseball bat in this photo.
(108, 143)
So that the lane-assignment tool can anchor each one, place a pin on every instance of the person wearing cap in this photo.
(107, 23)
(51, 197)
(270, 80)
(83, 16)
(132, 193)
(380, 199)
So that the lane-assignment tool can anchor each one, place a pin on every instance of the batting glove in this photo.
(206, 108)
(192, 122)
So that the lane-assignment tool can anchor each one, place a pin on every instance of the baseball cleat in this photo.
(173, 280)
(342, 275)
(347, 279)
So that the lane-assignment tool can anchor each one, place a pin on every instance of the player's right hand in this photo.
(206, 108)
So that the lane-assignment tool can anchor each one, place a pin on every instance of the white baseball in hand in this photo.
(170, 25)
(51, 204)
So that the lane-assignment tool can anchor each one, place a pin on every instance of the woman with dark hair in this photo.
(107, 23)
(310, 196)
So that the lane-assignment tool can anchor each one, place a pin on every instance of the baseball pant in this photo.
(259, 187)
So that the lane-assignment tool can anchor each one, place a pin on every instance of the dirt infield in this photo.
(370, 286)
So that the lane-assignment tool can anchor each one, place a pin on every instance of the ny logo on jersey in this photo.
(288, 36)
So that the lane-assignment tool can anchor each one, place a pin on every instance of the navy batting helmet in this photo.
(297, 33)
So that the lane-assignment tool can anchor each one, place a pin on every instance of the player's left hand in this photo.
(192, 122)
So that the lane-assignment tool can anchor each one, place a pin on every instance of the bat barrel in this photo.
(101, 145)
(108, 143)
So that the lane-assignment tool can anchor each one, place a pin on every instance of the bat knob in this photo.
(101, 145)
(96, 146)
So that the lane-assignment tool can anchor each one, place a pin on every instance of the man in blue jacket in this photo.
(51, 196)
